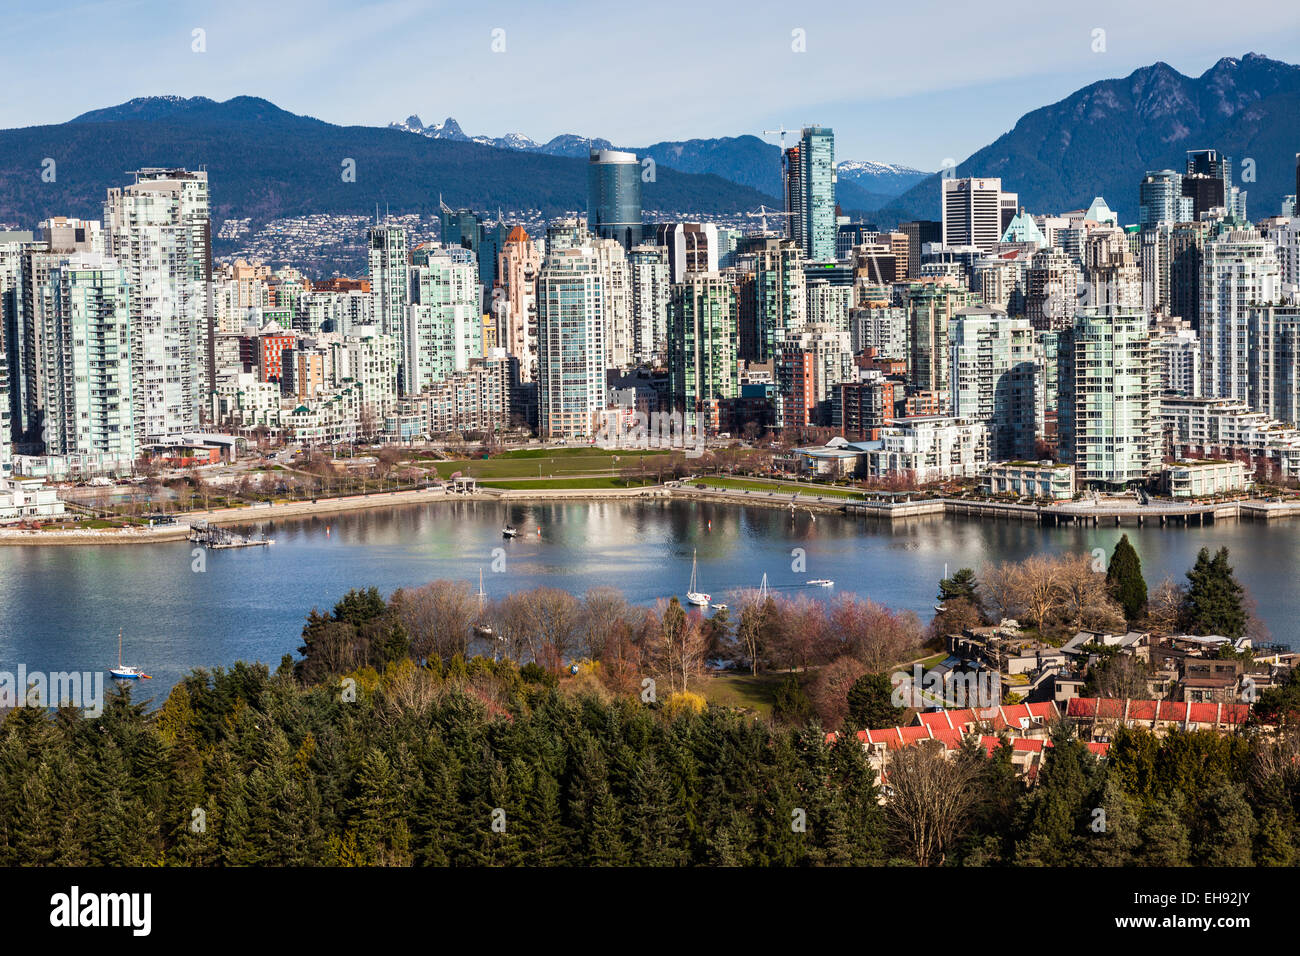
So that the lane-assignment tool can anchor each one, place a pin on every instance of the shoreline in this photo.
(848, 507)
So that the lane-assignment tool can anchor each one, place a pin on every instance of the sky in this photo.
(913, 83)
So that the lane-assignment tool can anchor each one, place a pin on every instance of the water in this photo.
(61, 607)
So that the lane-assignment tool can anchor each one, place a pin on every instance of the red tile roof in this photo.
(1151, 711)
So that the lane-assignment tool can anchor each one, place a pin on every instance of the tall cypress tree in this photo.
(1124, 580)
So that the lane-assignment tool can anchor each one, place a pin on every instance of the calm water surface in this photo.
(61, 607)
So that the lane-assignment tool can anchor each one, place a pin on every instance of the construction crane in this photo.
(781, 132)
(762, 214)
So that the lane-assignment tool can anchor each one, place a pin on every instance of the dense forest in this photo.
(438, 761)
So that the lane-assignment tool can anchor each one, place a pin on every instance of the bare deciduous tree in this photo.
(930, 798)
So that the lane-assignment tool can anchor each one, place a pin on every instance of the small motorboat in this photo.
(718, 607)
(821, 583)
(509, 531)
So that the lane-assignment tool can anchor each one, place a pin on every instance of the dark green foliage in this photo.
(1214, 602)
(871, 703)
(963, 585)
(790, 703)
(1125, 582)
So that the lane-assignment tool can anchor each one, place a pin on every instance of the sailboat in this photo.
(698, 598)
(481, 629)
(125, 672)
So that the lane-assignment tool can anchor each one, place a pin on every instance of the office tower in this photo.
(1186, 243)
(1209, 162)
(919, 233)
(1161, 199)
(691, 246)
(1108, 412)
(444, 328)
(931, 305)
(1239, 270)
(614, 196)
(1178, 352)
(973, 212)
(779, 296)
(571, 343)
(1206, 193)
(812, 361)
(648, 275)
(158, 229)
(88, 368)
(516, 306)
(390, 282)
(703, 341)
(997, 377)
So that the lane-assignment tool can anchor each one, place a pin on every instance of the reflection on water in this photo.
(61, 607)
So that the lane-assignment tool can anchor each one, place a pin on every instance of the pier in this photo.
(217, 538)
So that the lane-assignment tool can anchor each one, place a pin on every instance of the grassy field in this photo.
(573, 461)
(535, 453)
(785, 487)
(745, 690)
(595, 481)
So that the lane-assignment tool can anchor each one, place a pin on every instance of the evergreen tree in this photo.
(1215, 601)
(1124, 580)
(962, 585)
(871, 703)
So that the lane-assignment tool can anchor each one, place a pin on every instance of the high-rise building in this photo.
(691, 247)
(920, 232)
(931, 306)
(1209, 162)
(1109, 408)
(614, 196)
(973, 212)
(444, 328)
(779, 295)
(390, 282)
(87, 376)
(1239, 270)
(1273, 364)
(158, 229)
(1161, 199)
(516, 304)
(703, 341)
(1178, 351)
(810, 193)
(811, 362)
(571, 303)
(648, 273)
(997, 377)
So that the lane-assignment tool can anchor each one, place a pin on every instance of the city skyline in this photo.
(974, 84)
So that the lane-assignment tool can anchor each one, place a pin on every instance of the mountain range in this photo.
(746, 160)
(1100, 140)
(265, 162)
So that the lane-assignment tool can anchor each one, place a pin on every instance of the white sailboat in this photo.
(125, 672)
(481, 629)
(694, 596)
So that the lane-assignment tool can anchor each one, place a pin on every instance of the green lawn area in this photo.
(535, 453)
(745, 690)
(582, 461)
(608, 481)
(784, 487)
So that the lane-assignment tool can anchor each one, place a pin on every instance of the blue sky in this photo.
(912, 83)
